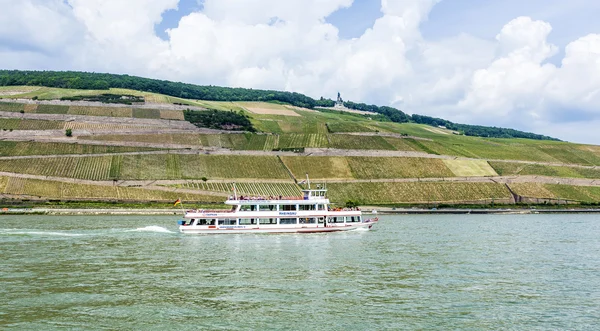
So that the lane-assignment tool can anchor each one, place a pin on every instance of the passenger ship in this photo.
(309, 213)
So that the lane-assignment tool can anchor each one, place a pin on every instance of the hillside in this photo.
(147, 151)
(177, 92)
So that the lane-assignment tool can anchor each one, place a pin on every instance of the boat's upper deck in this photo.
(308, 197)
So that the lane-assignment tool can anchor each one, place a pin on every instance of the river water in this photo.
(477, 272)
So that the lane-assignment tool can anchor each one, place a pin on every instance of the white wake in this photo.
(152, 228)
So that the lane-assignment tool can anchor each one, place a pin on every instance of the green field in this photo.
(417, 192)
(25, 148)
(511, 168)
(61, 190)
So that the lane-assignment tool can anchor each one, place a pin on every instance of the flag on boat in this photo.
(177, 202)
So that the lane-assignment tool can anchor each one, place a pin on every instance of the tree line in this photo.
(103, 81)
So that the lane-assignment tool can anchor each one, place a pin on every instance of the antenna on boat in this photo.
(308, 180)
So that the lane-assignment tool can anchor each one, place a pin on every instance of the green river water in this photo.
(443, 272)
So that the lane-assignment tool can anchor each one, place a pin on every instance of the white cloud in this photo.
(288, 45)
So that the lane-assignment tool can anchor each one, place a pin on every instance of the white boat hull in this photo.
(233, 229)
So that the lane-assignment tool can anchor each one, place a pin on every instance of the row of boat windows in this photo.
(275, 221)
(299, 207)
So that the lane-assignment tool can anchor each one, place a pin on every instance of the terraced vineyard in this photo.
(105, 126)
(92, 110)
(168, 138)
(26, 124)
(511, 168)
(62, 190)
(172, 166)
(283, 127)
(93, 168)
(322, 167)
(557, 191)
(418, 192)
(22, 148)
(470, 168)
(252, 189)
(359, 142)
(537, 190)
(295, 140)
(358, 167)
(52, 109)
(101, 111)
(12, 107)
(347, 126)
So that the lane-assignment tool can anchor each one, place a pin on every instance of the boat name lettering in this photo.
(287, 213)
(210, 214)
(232, 227)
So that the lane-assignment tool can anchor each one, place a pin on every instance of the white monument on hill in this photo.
(339, 103)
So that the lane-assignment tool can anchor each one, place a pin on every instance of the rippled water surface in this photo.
(479, 272)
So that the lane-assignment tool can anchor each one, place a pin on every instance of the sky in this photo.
(530, 65)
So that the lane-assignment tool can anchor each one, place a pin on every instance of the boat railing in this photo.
(204, 211)
(270, 198)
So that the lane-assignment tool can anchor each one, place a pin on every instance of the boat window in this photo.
(336, 220)
(307, 207)
(321, 207)
(248, 221)
(359, 219)
(248, 208)
(267, 221)
(267, 207)
(321, 220)
(288, 221)
(288, 207)
(202, 221)
(308, 220)
(228, 221)
(352, 219)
